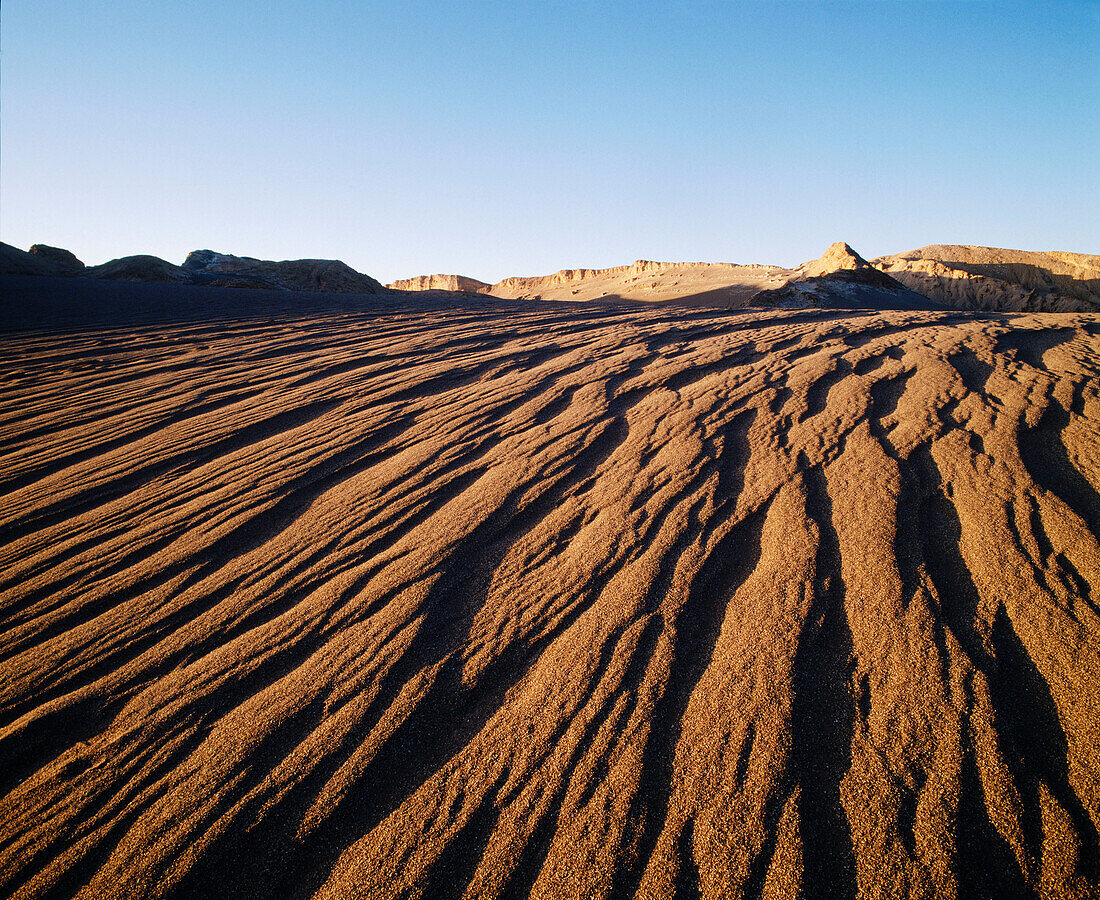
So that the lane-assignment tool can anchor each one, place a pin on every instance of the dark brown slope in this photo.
(440, 283)
(323, 275)
(565, 603)
(201, 268)
(52, 262)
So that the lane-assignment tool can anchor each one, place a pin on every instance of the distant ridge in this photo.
(932, 277)
(968, 277)
(320, 275)
(840, 278)
(202, 267)
(644, 279)
(440, 283)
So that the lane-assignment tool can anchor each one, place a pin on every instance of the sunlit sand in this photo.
(497, 599)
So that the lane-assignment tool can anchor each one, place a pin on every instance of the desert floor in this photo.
(497, 599)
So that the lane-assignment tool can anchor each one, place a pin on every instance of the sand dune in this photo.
(522, 599)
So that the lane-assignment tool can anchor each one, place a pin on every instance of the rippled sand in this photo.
(562, 602)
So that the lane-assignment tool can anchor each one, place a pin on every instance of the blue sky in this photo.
(505, 138)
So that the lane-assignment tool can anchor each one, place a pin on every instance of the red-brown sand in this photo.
(552, 602)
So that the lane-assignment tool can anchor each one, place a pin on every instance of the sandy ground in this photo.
(501, 600)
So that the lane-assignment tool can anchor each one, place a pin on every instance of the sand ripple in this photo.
(560, 603)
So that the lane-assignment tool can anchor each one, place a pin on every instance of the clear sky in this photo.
(515, 138)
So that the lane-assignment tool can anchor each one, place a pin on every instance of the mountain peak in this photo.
(839, 256)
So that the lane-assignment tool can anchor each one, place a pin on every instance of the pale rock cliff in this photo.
(710, 284)
(440, 283)
(966, 277)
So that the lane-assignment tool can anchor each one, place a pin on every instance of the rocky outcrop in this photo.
(64, 258)
(695, 283)
(841, 261)
(14, 261)
(966, 277)
(202, 267)
(317, 275)
(842, 279)
(441, 283)
(139, 268)
(526, 285)
(56, 262)
(932, 277)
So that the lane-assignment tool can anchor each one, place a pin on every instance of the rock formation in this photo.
(64, 258)
(14, 261)
(990, 278)
(202, 267)
(842, 279)
(319, 275)
(932, 277)
(695, 283)
(139, 268)
(441, 283)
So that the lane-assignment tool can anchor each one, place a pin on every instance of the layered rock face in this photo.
(524, 284)
(697, 283)
(842, 279)
(940, 275)
(960, 277)
(990, 278)
(441, 283)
